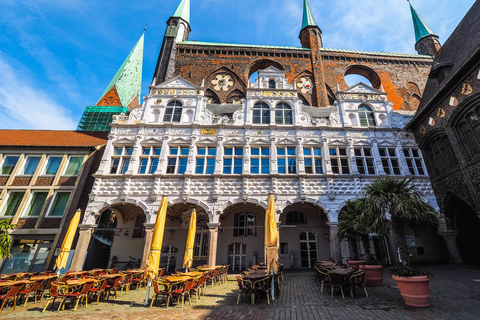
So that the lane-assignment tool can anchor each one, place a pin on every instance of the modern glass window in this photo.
(283, 114)
(36, 203)
(272, 84)
(9, 164)
(53, 163)
(295, 217)
(11, 204)
(287, 159)
(233, 160)
(31, 165)
(74, 166)
(205, 163)
(244, 225)
(364, 160)
(389, 160)
(261, 113)
(313, 160)
(260, 160)
(414, 161)
(177, 161)
(121, 160)
(173, 112)
(339, 160)
(366, 116)
(59, 204)
(149, 160)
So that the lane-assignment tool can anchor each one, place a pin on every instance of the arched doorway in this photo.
(304, 236)
(464, 219)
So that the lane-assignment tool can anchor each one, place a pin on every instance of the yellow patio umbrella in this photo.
(62, 258)
(271, 236)
(153, 262)
(192, 228)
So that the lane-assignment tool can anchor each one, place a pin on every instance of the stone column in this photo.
(450, 237)
(212, 249)
(148, 242)
(85, 233)
(334, 242)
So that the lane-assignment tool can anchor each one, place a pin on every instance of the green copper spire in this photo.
(127, 82)
(421, 29)
(183, 10)
(308, 19)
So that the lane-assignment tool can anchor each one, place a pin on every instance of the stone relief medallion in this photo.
(222, 82)
(305, 85)
(189, 102)
(158, 101)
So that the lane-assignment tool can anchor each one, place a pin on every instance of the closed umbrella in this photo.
(192, 227)
(62, 258)
(271, 236)
(153, 262)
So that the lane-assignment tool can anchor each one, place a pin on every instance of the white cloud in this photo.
(24, 106)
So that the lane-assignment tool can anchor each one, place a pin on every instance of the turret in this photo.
(427, 42)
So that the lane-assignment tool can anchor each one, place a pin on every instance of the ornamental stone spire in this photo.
(426, 42)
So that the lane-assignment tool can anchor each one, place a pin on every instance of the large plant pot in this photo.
(415, 290)
(373, 274)
(355, 263)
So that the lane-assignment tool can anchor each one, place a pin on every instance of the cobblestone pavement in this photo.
(454, 295)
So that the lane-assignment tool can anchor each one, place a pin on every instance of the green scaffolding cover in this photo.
(98, 118)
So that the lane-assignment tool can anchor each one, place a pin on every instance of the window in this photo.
(36, 203)
(173, 112)
(177, 162)
(52, 166)
(468, 131)
(284, 248)
(364, 159)
(74, 165)
(233, 160)
(121, 160)
(286, 160)
(339, 160)
(308, 249)
(313, 160)
(283, 114)
(295, 217)
(389, 160)
(10, 206)
(366, 116)
(168, 258)
(260, 160)
(205, 160)
(440, 156)
(139, 227)
(9, 164)
(414, 161)
(244, 225)
(59, 204)
(201, 247)
(237, 256)
(31, 165)
(272, 84)
(261, 113)
(149, 160)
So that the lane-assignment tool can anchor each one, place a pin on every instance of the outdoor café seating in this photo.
(161, 288)
(30, 288)
(11, 294)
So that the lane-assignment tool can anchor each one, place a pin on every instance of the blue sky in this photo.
(57, 56)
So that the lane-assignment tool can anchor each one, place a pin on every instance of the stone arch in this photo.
(195, 202)
(464, 107)
(212, 97)
(366, 72)
(256, 202)
(312, 201)
(262, 64)
(223, 92)
(235, 96)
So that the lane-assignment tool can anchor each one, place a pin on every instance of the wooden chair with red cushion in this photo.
(30, 288)
(184, 291)
(57, 290)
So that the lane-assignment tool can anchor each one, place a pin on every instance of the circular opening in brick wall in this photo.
(355, 74)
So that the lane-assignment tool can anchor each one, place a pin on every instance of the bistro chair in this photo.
(125, 283)
(358, 280)
(184, 291)
(197, 286)
(162, 288)
(11, 295)
(30, 288)
(78, 295)
(112, 285)
(244, 287)
(99, 289)
(56, 291)
(262, 285)
(322, 277)
(45, 288)
(337, 281)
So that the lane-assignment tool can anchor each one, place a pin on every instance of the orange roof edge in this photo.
(52, 138)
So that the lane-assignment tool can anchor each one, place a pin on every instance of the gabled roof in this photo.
(421, 28)
(126, 85)
(177, 82)
(361, 87)
(52, 138)
(308, 19)
(183, 10)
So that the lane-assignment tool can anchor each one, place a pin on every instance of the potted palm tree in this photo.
(401, 201)
(5, 242)
(355, 222)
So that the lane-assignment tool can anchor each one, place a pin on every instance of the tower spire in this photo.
(308, 19)
(426, 42)
(183, 11)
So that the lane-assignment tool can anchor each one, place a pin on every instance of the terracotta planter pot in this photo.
(415, 290)
(373, 274)
(355, 263)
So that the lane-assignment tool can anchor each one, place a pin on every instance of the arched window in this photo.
(168, 258)
(283, 114)
(237, 257)
(173, 112)
(295, 217)
(261, 113)
(272, 84)
(439, 155)
(367, 117)
(468, 130)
